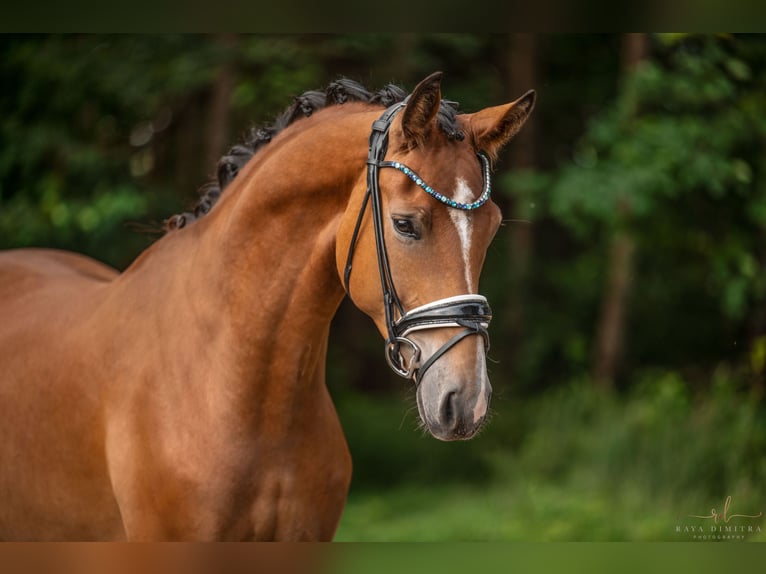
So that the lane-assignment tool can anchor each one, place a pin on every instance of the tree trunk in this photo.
(610, 334)
(522, 75)
(218, 113)
(611, 324)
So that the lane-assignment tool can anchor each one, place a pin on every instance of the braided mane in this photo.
(337, 93)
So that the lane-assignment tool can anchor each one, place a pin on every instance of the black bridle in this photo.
(472, 312)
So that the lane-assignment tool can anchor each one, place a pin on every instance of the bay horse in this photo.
(185, 398)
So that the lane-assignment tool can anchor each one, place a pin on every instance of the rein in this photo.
(469, 311)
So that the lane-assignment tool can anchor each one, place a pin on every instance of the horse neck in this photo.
(276, 229)
(254, 284)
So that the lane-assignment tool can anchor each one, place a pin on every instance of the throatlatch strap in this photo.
(352, 245)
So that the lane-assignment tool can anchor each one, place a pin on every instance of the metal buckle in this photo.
(396, 361)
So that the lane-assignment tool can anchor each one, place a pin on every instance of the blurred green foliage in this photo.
(678, 158)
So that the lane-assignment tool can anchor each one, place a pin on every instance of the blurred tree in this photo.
(98, 131)
(682, 151)
(560, 288)
(611, 324)
(519, 59)
(220, 101)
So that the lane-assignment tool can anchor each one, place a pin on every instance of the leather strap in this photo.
(446, 347)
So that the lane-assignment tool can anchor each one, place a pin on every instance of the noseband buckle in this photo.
(471, 312)
(397, 362)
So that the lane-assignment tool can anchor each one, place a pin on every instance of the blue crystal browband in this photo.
(444, 199)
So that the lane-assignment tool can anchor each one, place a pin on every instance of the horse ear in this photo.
(492, 128)
(421, 109)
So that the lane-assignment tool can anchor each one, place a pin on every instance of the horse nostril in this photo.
(448, 412)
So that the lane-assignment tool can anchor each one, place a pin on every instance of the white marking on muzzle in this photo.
(480, 408)
(463, 194)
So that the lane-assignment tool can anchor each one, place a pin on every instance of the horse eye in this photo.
(405, 227)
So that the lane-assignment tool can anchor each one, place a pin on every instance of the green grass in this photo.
(513, 511)
(572, 465)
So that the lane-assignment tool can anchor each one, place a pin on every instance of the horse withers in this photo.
(185, 398)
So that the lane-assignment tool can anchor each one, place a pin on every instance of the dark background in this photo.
(627, 283)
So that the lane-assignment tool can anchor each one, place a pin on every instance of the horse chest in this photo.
(289, 493)
(267, 486)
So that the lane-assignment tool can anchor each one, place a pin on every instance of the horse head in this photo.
(418, 249)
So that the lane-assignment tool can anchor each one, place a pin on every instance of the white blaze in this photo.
(463, 194)
(462, 222)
